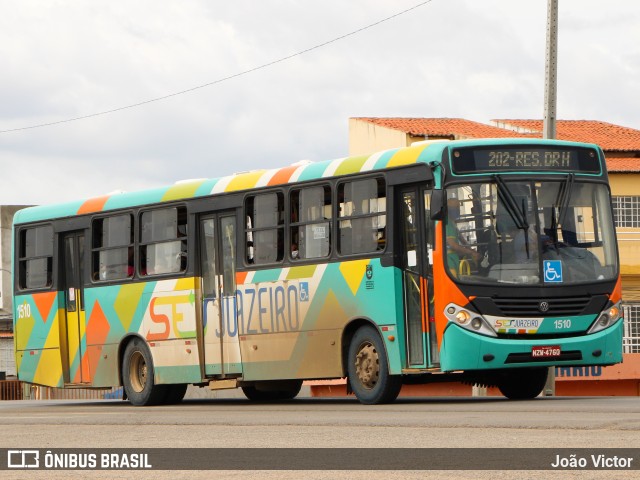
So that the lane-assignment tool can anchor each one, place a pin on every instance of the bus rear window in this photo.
(35, 263)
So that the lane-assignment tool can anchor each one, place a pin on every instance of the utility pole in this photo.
(551, 71)
(549, 123)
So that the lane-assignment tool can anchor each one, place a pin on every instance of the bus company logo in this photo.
(23, 459)
(519, 323)
(543, 306)
(369, 272)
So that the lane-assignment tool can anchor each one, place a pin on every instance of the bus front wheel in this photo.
(368, 369)
(138, 376)
(523, 384)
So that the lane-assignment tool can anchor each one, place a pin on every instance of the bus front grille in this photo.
(555, 307)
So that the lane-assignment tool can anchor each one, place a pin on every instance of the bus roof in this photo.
(422, 152)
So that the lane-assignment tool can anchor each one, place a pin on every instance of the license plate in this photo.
(545, 352)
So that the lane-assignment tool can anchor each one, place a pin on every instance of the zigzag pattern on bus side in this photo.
(164, 313)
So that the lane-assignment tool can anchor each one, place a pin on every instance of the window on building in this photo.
(163, 241)
(112, 248)
(265, 228)
(626, 211)
(362, 216)
(35, 264)
(310, 226)
(631, 336)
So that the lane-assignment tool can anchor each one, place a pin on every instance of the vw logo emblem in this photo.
(543, 306)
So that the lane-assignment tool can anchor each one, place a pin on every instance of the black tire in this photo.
(138, 376)
(175, 393)
(273, 391)
(368, 369)
(523, 384)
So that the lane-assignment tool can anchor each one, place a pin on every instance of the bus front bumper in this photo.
(465, 350)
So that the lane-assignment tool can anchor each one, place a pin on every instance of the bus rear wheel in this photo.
(138, 376)
(523, 384)
(368, 369)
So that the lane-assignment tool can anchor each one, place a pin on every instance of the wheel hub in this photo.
(138, 372)
(367, 365)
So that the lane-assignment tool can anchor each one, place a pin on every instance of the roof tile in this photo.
(612, 138)
(453, 128)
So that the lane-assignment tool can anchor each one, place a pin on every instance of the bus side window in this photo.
(265, 228)
(310, 227)
(163, 241)
(112, 248)
(363, 218)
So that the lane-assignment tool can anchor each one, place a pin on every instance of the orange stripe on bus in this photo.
(241, 277)
(282, 176)
(424, 305)
(93, 205)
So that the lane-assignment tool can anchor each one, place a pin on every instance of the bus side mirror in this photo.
(437, 205)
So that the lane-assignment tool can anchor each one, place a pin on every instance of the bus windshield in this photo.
(530, 232)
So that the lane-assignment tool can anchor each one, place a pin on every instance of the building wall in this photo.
(628, 238)
(7, 360)
(366, 138)
(6, 221)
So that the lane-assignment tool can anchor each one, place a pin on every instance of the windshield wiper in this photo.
(561, 204)
(517, 213)
(564, 196)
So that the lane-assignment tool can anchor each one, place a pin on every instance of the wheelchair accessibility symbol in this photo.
(304, 291)
(552, 271)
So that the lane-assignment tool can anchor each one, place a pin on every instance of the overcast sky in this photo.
(474, 59)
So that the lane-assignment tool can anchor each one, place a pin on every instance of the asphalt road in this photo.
(553, 422)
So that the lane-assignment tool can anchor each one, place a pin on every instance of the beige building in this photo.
(7, 360)
(621, 146)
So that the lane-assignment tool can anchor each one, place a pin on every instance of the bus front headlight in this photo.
(468, 320)
(607, 317)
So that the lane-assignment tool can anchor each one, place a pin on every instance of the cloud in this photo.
(477, 60)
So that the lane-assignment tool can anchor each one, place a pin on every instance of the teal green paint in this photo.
(397, 359)
(131, 199)
(179, 374)
(463, 350)
(384, 159)
(36, 214)
(578, 324)
(206, 187)
(271, 275)
(313, 171)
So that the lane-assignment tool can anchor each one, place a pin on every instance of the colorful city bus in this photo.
(480, 261)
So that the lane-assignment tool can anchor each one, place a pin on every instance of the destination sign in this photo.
(525, 159)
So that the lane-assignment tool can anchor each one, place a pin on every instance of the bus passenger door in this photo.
(75, 369)
(219, 308)
(418, 289)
